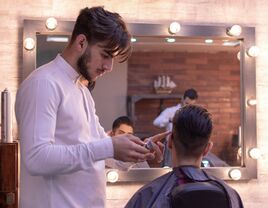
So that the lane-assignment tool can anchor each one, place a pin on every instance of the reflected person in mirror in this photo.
(63, 146)
(190, 96)
(189, 142)
(123, 125)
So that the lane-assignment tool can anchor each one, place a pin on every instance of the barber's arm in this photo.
(37, 119)
(163, 119)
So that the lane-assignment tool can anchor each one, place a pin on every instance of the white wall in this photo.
(110, 95)
(248, 12)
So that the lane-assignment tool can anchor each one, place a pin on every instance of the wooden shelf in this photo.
(133, 99)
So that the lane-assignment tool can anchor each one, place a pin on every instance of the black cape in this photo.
(156, 194)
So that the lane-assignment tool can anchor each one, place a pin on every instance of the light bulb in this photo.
(254, 153)
(235, 30)
(112, 176)
(235, 174)
(252, 102)
(29, 44)
(133, 40)
(253, 51)
(174, 27)
(238, 55)
(51, 23)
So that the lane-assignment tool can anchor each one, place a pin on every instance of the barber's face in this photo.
(188, 101)
(123, 129)
(94, 62)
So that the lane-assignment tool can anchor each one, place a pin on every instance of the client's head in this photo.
(122, 125)
(190, 138)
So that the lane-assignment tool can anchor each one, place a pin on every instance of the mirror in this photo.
(210, 66)
(242, 86)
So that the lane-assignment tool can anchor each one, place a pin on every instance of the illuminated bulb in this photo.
(133, 40)
(235, 30)
(170, 40)
(112, 176)
(174, 27)
(254, 153)
(51, 23)
(235, 174)
(29, 44)
(238, 55)
(252, 102)
(253, 51)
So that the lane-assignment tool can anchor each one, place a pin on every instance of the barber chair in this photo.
(199, 195)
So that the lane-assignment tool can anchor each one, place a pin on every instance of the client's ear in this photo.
(208, 148)
(170, 141)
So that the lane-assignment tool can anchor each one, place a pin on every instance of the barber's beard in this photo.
(82, 66)
(83, 70)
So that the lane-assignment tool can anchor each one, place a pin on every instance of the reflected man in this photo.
(123, 125)
(190, 96)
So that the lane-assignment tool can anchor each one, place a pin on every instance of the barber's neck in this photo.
(70, 56)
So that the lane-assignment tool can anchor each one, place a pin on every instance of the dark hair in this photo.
(99, 25)
(122, 120)
(190, 93)
(192, 128)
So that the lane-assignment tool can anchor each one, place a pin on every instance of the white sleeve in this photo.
(36, 112)
(163, 119)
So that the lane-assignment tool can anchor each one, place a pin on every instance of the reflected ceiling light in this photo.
(170, 40)
(174, 27)
(209, 41)
(254, 153)
(29, 44)
(112, 176)
(235, 174)
(235, 30)
(51, 23)
(61, 39)
(133, 40)
(253, 51)
(231, 43)
(252, 102)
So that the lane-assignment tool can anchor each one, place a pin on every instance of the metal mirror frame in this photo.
(248, 86)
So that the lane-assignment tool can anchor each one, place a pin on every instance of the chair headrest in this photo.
(199, 194)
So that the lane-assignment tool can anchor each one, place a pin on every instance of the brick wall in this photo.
(215, 75)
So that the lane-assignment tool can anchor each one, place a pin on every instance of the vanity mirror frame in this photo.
(248, 166)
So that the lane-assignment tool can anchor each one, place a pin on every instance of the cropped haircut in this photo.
(192, 128)
(190, 93)
(100, 25)
(122, 120)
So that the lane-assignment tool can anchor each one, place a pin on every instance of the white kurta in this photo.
(62, 142)
(166, 116)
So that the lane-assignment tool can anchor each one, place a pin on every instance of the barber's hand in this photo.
(129, 148)
(109, 133)
(157, 145)
(158, 137)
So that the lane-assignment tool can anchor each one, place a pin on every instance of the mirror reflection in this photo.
(210, 66)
